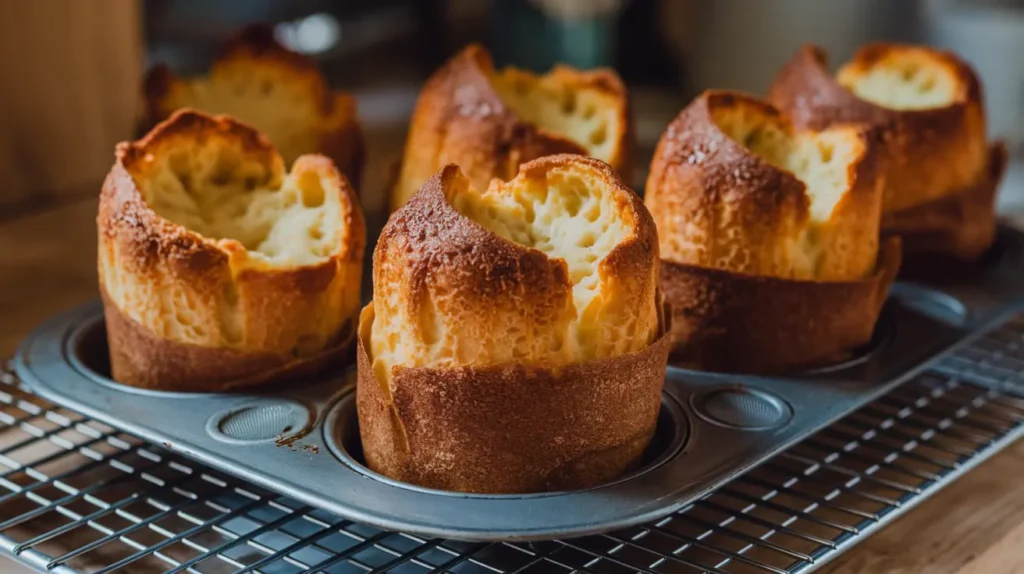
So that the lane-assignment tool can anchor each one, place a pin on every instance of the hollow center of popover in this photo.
(821, 160)
(902, 80)
(585, 116)
(220, 192)
(570, 215)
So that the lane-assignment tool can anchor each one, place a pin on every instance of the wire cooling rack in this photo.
(79, 496)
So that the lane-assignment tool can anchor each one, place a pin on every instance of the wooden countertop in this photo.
(975, 526)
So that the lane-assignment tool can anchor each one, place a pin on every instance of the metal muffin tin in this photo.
(303, 440)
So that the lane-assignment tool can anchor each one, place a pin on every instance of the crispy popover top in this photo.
(734, 186)
(279, 92)
(557, 266)
(489, 121)
(928, 101)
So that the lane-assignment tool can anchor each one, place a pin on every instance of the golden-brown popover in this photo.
(279, 92)
(489, 122)
(514, 343)
(929, 102)
(769, 235)
(734, 186)
(218, 268)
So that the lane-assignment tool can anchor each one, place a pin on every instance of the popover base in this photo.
(509, 428)
(141, 359)
(960, 225)
(734, 322)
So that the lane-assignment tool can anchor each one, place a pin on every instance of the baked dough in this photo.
(279, 92)
(218, 268)
(929, 104)
(515, 341)
(489, 122)
(769, 236)
(734, 186)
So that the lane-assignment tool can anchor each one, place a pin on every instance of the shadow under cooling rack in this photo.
(79, 496)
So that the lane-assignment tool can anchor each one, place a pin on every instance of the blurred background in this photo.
(72, 67)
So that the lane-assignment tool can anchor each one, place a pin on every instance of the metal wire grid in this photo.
(77, 495)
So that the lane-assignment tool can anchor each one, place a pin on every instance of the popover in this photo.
(514, 343)
(218, 268)
(489, 122)
(929, 104)
(281, 93)
(734, 186)
(769, 235)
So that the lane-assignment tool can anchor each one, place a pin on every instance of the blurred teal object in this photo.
(537, 34)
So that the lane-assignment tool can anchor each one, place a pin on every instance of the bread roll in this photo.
(218, 269)
(769, 236)
(514, 341)
(489, 121)
(280, 93)
(929, 102)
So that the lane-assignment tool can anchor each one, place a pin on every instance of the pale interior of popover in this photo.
(274, 102)
(902, 80)
(217, 190)
(586, 116)
(571, 216)
(820, 160)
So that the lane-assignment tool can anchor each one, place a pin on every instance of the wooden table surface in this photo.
(974, 526)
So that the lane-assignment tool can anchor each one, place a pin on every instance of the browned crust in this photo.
(139, 358)
(256, 45)
(510, 428)
(189, 123)
(930, 153)
(489, 274)
(740, 323)
(712, 197)
(962, 225)
(278, 304)
(460, 119)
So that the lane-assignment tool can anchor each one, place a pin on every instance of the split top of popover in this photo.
(902, 77)
(735, 186)
(489, 121)
(281, 93)
(557, 266)
(585, 108)
(206, 239)
(929, 101)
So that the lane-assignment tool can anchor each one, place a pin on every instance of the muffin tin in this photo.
(303, 440)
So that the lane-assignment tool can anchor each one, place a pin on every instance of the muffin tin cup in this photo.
(301, 440)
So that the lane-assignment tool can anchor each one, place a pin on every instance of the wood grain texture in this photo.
(77, 67)
(976, 526)
(48, 263)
